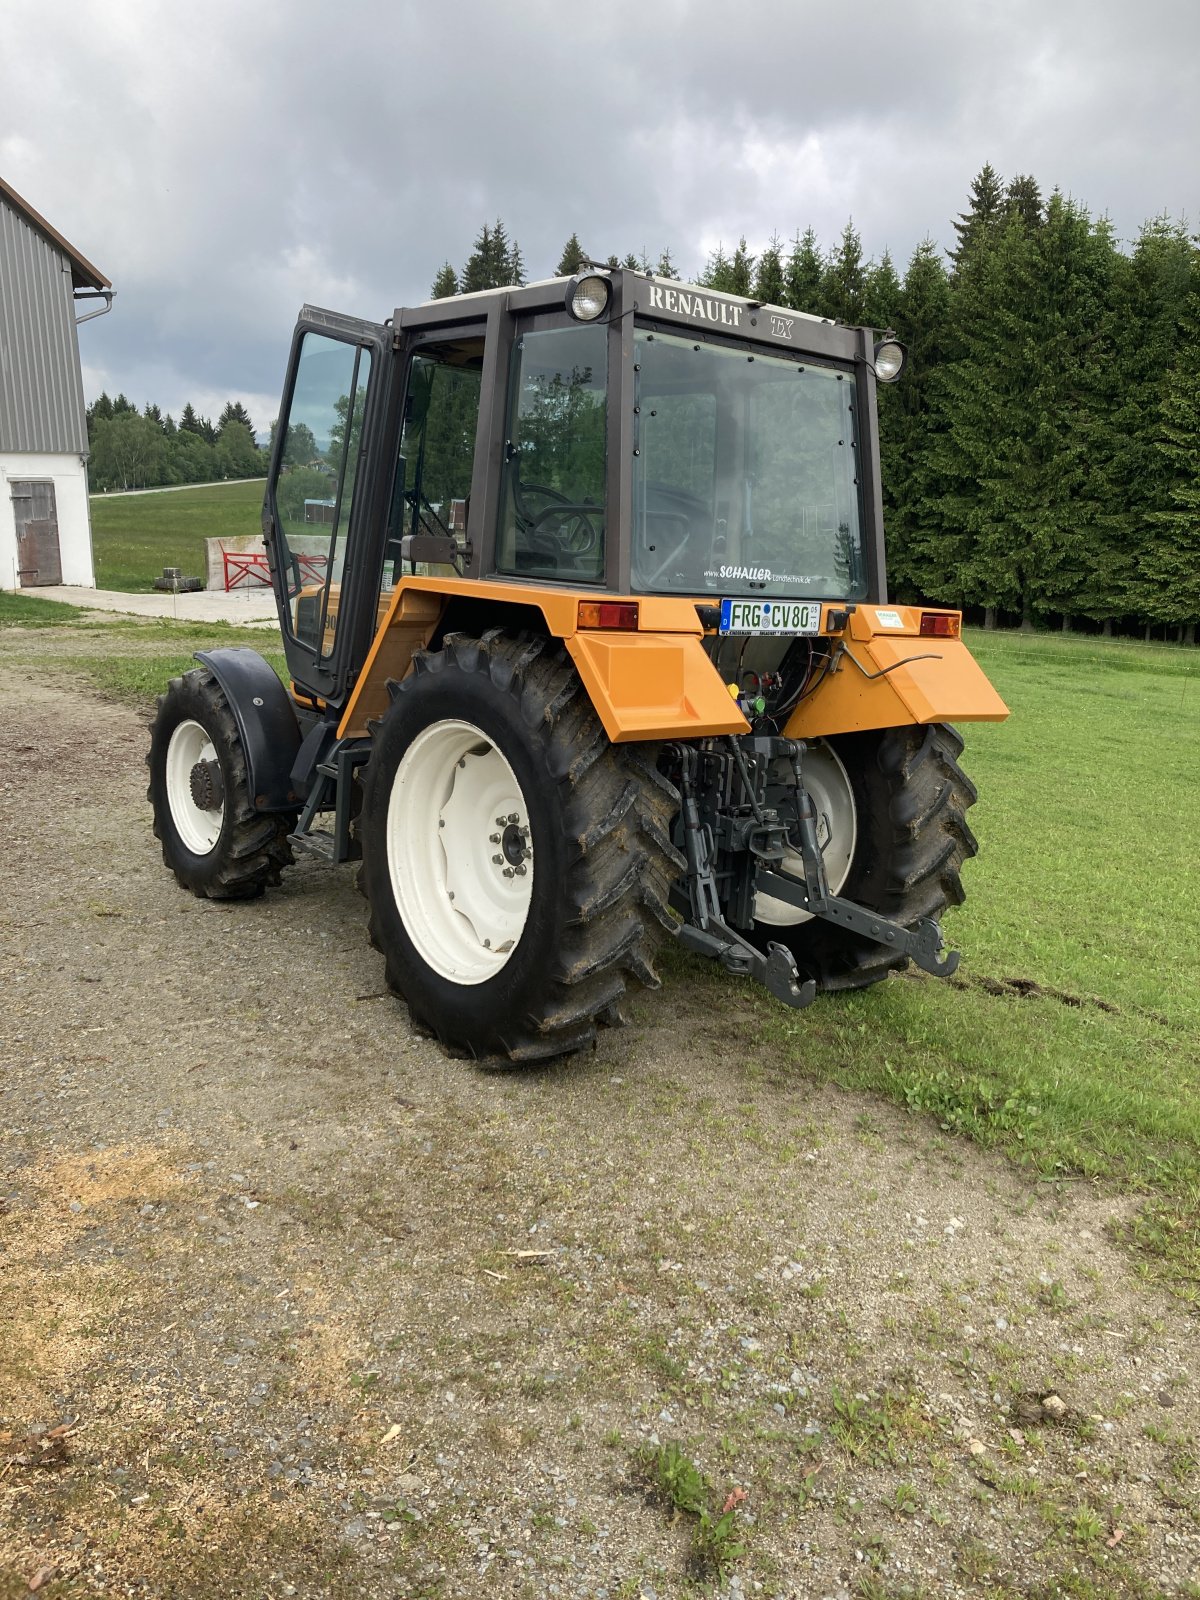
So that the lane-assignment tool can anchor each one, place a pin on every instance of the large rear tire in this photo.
(910, 799)
(213, 839)
(516, 864)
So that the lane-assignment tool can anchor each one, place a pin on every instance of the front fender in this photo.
(266, 721)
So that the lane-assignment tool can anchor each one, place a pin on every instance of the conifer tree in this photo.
(770, 284)
(716, 270)
(741, 270)
(445, 284)
(1024, 197)
(881, 293)
(844, 281)
(1171, 561)
(666, 267)
(571, 259)
(1022, 448)
(1152, 288)
(480, 269)
(983, 215)
(805, 270)
(235, 411)
(912, 487)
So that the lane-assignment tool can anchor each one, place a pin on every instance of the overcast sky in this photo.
(224, 163)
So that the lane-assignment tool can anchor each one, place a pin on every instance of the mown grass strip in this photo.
(132, 659)
(27, 611)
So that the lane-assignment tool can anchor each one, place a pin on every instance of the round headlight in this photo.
(587, 297)
(889, 360)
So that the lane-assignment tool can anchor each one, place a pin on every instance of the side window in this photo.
(552, 501)
(437, 451)
(314, 493)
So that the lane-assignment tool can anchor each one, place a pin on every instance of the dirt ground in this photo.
(290, 1304)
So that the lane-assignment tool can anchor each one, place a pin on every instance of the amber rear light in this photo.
(939, 625)
(608, 614)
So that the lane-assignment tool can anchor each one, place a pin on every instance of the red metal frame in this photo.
(248, 569)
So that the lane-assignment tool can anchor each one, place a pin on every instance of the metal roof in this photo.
(83, 274)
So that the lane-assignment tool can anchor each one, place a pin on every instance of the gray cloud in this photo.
(224, 165)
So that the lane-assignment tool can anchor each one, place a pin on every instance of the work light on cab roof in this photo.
(890, 356)
(587, 296)
(584, 606)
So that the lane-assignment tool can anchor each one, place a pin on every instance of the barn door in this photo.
(38, 558)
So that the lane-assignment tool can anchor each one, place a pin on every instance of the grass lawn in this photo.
(1086, 886)
(134, 536)
(1071, 1035)
(28, 611)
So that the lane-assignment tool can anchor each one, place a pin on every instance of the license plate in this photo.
(770, 616)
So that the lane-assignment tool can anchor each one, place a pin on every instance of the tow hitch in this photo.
(735, 845)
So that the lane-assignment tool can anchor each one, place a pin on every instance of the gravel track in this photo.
(317, 1311)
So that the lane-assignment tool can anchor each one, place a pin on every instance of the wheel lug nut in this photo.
(498, 860)
(521, 870)
(493, 838)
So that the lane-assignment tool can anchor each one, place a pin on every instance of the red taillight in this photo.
(940, 625)
(608, 614)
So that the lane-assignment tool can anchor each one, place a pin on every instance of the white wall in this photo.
(69, 476)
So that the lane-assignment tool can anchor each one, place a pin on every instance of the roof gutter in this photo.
(94, 294)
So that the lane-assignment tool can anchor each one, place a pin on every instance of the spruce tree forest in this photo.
(1041, 452)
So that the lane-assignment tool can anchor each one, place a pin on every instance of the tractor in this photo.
(584, 608)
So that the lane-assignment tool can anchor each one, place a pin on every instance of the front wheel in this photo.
(516, 864)
(213, 839)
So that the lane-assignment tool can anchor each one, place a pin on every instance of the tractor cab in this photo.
(607, 433)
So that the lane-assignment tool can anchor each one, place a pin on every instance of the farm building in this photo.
(45, 528)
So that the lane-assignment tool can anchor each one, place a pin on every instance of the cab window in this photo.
(314, 492)
(552, 497)
(432, 492)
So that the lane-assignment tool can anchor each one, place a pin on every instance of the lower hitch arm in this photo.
(705, 930)
(922, 942)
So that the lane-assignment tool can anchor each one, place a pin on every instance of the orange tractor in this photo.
(599, 654)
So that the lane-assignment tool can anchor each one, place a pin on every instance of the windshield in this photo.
(745, 473)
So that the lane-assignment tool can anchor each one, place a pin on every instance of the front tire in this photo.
(213, 839)
(516, 864)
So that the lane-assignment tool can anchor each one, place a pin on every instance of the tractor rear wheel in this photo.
(903, 803)
(516, 864)
(213, 839)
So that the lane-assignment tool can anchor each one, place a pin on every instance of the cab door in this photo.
(327, 496)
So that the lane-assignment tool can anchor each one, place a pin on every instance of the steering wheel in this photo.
(573, 532)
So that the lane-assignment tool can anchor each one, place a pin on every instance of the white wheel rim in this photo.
(198, 829)
(827, 782)
(455, 807)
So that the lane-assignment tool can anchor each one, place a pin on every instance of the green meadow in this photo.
(134, 536)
